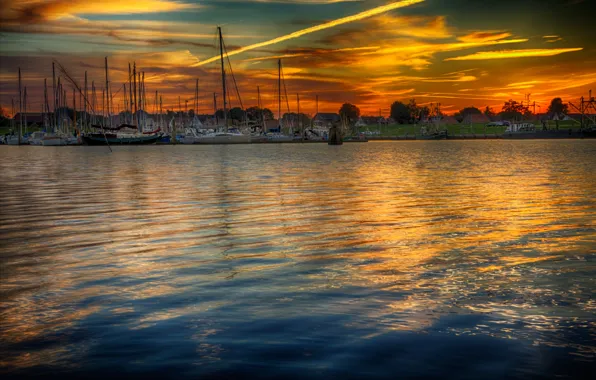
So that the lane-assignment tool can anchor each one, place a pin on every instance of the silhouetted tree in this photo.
(512, 110)
(191, 113)
(469, 111)
(558, 108)
(349, 112)
(268, 114)
(237, 113)
(400, 112)
(413, 110)
(423, 113)
(489, 112)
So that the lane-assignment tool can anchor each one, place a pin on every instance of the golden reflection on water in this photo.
(406, 232)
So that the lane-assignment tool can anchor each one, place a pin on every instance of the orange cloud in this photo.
(522, 53)
(414, 26)
(316, 28)
(38, 10)
(484, 36)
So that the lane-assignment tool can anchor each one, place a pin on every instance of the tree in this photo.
(268, 114)
(400, 112)
(219, 114)
(350, 112)
(512, 110)
(489, 112)
(413, 110)
(253, 113)
(4, 120)
(464, 113)
(237, 113)
(558, 108)
(191, 113)
(424, 112)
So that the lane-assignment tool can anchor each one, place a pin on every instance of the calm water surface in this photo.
(381, 260)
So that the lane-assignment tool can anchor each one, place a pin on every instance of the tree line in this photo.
(511, 110)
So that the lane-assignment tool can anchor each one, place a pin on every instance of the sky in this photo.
(458, 53)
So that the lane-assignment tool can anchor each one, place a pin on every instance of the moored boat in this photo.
(229, 137)
(120, 139)
(36, 138)
(523, 131)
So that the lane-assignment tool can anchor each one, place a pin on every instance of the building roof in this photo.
(32, 117)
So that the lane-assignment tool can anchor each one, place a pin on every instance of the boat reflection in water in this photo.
(431, 260)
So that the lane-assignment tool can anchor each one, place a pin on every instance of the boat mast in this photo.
(215, 109)
(74, 108)
(279, 93)
(12, 109)
(85, 104)
(223, 79)
(20, 109)
(103, 107)
(161, 113)
(130, 94)
(108, 93)
(93, 103)
(134, 91)
(300, 118)
(55, 122)
(25, 112)
(143, 101)
(260, 109)
(196, 106)
(45, 102)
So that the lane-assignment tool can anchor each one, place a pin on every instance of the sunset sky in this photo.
(370, 53)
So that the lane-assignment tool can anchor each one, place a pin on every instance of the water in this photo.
(471, 259)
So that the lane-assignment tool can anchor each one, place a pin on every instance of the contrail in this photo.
(316, 28)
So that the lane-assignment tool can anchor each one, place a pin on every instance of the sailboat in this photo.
(125, 134)
(224, 135)
(279, 136)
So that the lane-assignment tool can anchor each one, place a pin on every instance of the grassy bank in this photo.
(457, 129)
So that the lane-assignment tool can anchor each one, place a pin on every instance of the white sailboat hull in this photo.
(280, 138)
(53, 141)
(14, 140)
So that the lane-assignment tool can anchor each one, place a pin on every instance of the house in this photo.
(326, 119)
